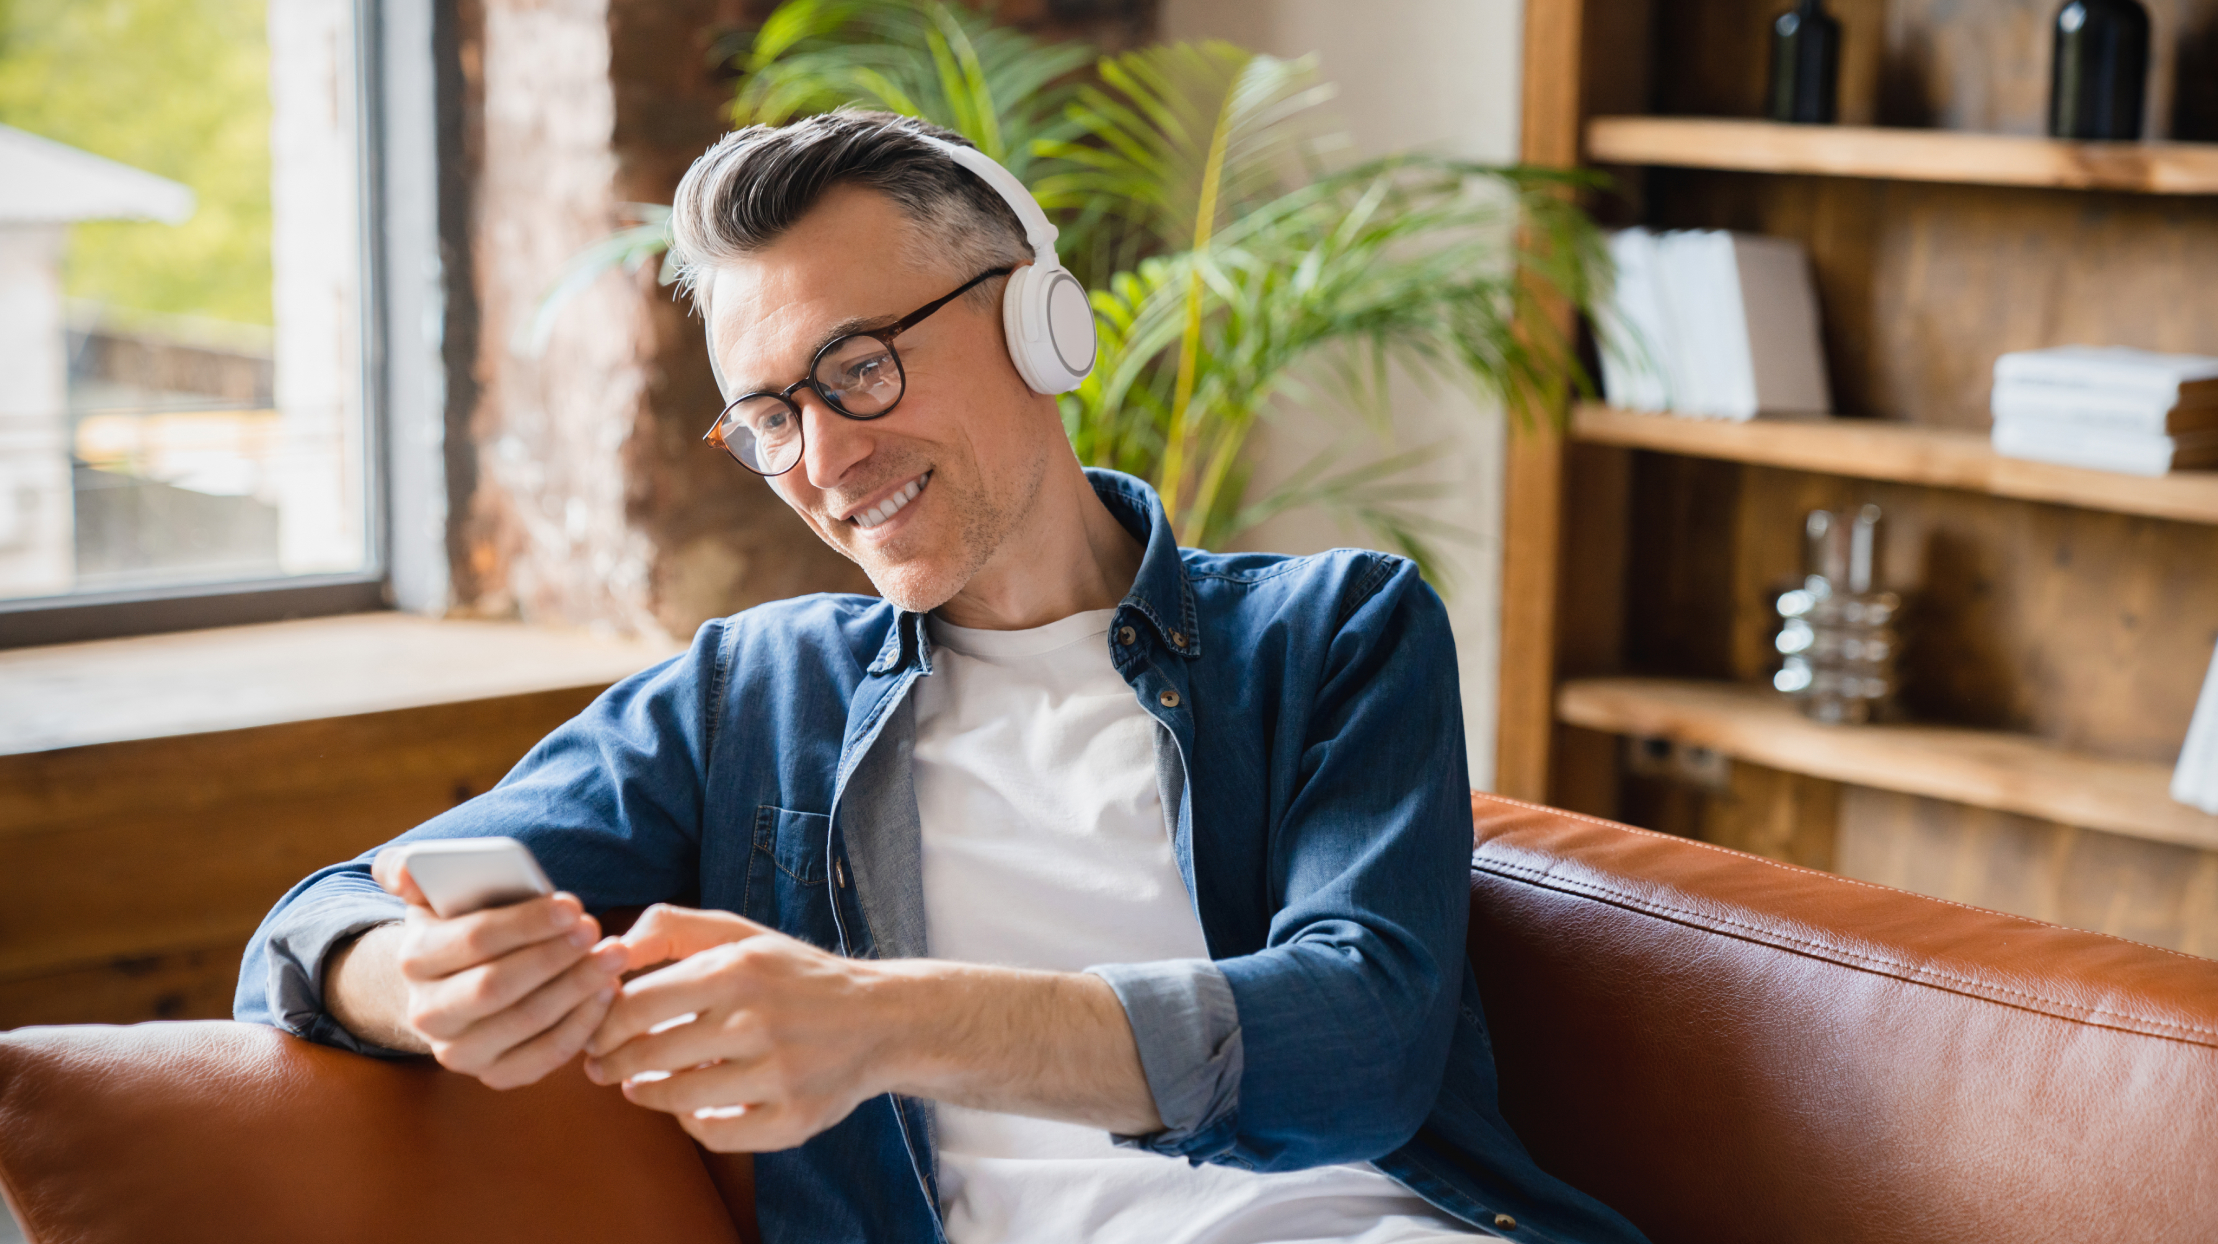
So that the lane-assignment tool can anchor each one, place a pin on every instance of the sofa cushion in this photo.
(1728, 1049)
(235, 1132)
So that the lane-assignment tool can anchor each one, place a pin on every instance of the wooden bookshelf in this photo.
(1904, 154)
(1642, 553)
(1979, 768)
(1904, 453)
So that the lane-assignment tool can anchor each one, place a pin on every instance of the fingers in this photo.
(529, 1062)
(390, 870)
(763, 1128)
(733, 1035)
(697, 984)
(480, 1029)
(714, 1087)
(664, 933)
(438, 948)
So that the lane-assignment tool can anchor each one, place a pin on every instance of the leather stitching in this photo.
(1832, 878)
(1901, 971)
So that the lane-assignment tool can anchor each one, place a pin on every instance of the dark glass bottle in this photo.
(2101, 69)
(1806, 64)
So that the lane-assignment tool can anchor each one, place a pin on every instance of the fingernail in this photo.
(593, 1070)
(611, 956)
(581, 937)
(605, 995)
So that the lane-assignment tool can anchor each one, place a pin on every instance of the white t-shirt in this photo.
(1045, 847)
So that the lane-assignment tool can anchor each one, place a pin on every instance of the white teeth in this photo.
(892, 505)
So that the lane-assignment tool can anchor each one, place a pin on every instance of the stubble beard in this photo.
(922, 584)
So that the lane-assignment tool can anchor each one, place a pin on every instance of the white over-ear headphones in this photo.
(1044, 313)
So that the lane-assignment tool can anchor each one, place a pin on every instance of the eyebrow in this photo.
(852, 324)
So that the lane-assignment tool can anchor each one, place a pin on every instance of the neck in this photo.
(1068, 555)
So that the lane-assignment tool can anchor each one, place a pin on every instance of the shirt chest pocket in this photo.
(785, 874)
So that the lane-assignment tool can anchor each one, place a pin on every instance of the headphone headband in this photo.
(1039, 231)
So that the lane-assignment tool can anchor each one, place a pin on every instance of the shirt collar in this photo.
(1161, 594)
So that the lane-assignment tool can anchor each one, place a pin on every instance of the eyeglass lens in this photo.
(859, 376)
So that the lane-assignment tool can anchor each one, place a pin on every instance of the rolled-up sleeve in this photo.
(287, 961)
(1188, 1030)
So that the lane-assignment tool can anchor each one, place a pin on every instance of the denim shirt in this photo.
(1310, 758)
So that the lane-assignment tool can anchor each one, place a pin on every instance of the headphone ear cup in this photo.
(1049, 327)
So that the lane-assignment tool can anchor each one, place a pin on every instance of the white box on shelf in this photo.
(1714, 324)
(2195, 780)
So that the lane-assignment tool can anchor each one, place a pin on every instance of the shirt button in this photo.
(1178, 639)
(1505, 1222)
(1125, 635)
(1168, 699)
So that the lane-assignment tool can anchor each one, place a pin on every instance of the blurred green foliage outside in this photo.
(176, 87)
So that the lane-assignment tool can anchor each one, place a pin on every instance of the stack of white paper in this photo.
(2109, 408)
(2195, 781)
(1709, 323)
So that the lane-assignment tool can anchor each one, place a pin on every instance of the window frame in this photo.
(400, 96)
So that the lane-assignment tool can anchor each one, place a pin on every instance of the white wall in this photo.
(1442, 76)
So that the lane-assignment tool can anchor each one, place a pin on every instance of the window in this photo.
(184, 400)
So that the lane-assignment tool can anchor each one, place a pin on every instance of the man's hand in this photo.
(756, 1041)
(782, 1042)
(506, 994)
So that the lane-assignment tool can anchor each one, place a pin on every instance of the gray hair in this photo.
(756, 183)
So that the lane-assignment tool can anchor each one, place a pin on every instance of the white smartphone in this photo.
(462, 875)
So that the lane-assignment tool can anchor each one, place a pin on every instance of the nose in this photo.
(831, 443)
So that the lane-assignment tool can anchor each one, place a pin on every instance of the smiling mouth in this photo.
(892, 505)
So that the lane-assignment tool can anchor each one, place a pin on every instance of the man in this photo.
(1082, 888)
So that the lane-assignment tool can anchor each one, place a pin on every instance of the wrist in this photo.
(906, 1005)
(364, 993)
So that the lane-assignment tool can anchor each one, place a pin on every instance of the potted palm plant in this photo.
(1238, 270)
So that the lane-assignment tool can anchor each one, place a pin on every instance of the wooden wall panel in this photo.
(2148, 891)
(1680, 598)
(130, 873)
(185, 984)
(1789, 817)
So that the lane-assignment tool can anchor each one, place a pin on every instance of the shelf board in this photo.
(1983, 768)
(1905, 453)
(1904, 154)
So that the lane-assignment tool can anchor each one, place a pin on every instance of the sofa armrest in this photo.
(1728, 1049)
(231, 1132)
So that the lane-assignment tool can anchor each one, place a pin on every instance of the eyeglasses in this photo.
(858, 375)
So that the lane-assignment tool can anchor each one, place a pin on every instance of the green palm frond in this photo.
(1177, 137)
(1180, 138)
(1410, 261)
(1003, 90)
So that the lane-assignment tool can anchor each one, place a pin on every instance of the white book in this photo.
(1685, 279)
(2070, 444)
(1741, 314)
(2174, 379)
(1634, 335)
(2099, 408)
(2195, 781)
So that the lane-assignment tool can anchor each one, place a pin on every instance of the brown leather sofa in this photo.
(1724, 1048)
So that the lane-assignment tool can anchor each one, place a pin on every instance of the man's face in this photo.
(968, 443)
